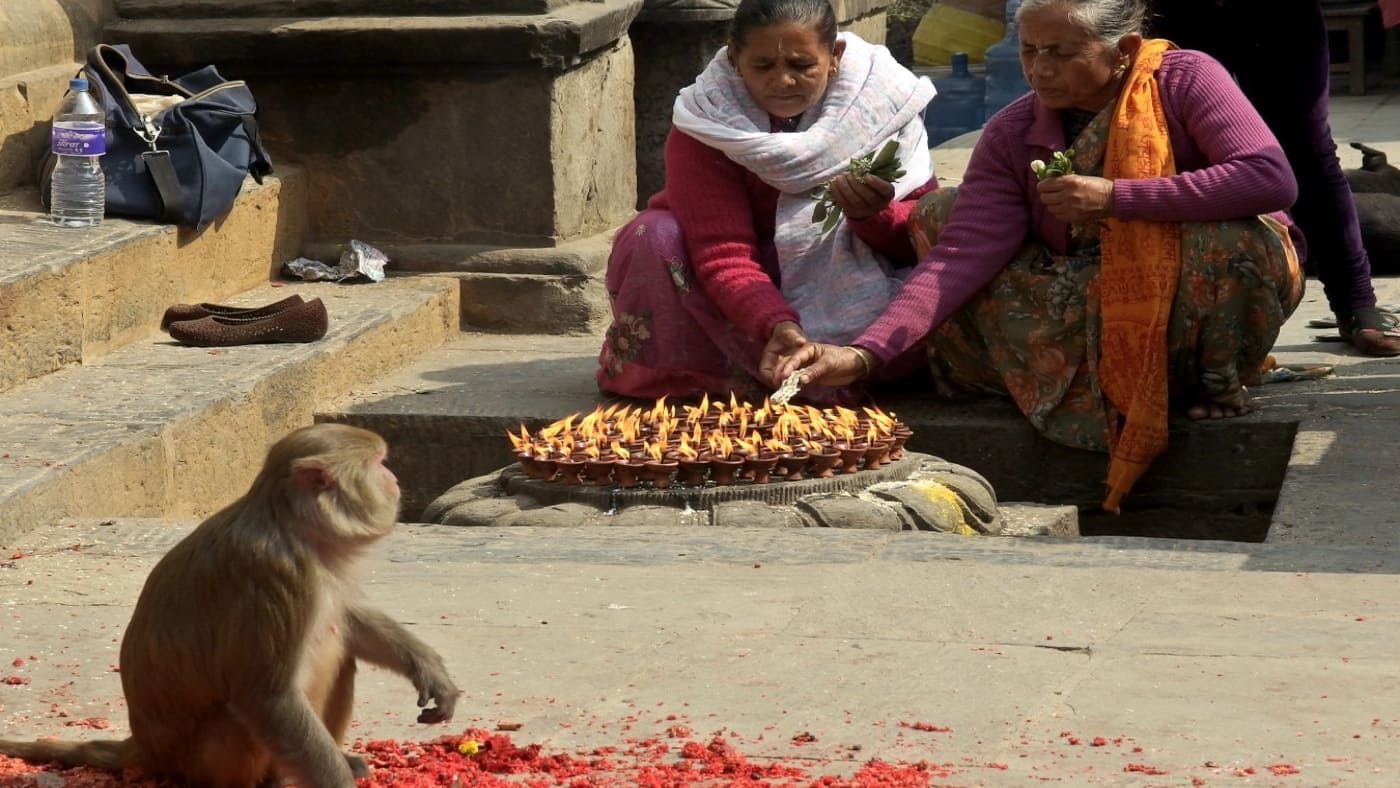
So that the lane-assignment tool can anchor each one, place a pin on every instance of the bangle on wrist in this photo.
(867, 359)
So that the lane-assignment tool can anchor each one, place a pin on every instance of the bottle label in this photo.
(70, 141)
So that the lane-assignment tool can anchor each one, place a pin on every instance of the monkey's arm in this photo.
(380, 640)
(282, 721)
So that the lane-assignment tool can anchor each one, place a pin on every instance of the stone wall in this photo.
(42, 43)
(427, 127)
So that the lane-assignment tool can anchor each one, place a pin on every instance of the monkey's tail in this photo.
(111, 754)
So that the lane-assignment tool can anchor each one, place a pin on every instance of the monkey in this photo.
(238, 665)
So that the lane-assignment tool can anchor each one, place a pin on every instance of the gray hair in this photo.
(1109, 20)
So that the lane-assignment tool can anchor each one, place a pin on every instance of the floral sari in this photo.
(1034, 332)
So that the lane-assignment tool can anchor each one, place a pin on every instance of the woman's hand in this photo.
(824, 365)
(1076, 199)
(861, 198)
(787, 339)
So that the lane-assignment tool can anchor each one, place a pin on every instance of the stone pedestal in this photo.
(674, 40)
(446, 132)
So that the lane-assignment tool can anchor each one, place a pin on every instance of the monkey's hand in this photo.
(436, 687)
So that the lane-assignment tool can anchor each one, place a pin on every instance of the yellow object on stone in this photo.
(946, 29)
(950, 511)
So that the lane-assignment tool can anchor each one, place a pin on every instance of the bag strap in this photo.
(261, 163)
(162, 172)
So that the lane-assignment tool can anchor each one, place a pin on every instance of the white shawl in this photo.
(835, 281)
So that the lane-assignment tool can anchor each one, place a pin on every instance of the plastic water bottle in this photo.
(1005, 80)
(78, 189)
(958, 106)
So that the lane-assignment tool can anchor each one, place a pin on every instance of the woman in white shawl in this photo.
(726, 270)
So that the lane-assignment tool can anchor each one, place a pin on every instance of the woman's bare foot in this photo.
(1227, 407)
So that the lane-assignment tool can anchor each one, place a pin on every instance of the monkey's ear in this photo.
(312, 477)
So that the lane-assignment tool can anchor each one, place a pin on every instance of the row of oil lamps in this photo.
(712, 443)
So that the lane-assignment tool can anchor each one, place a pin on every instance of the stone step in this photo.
(157, 429)
(448, 413)
(73, 296)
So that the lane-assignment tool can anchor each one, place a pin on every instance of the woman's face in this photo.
(1066, 65)
(785, 67)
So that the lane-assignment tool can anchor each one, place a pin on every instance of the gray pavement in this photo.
(1196, 660)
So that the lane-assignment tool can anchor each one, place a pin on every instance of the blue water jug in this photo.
(1005, 81)
(957, 108)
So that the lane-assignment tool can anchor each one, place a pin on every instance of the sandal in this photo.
(1372, 332)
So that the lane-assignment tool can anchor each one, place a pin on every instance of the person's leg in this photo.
(1284, 72)
(655, 346)
(1236, 289)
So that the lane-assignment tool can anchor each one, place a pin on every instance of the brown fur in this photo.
(238, 665)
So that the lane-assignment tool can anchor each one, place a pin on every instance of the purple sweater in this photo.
(1229, 164)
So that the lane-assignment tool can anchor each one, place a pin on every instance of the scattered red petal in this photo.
(19, 662)
(1284, 768)
(16, 555)
(680, 732)
(1144, 768)
(508, 726)
(14, 680)
(96, 723)
(925, 726)
(804, 738)
(1098, 741)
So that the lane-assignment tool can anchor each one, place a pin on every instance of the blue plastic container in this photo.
(1005, 80)
(957, 108)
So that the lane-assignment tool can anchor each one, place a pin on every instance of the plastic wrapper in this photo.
(360, 260)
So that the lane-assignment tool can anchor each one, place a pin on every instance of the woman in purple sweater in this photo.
(1157, 273)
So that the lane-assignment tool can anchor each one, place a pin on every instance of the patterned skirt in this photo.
(1033, 332)
(668, 338)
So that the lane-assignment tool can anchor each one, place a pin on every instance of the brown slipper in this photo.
(180, 312)
(305, 322)
(1372, 332)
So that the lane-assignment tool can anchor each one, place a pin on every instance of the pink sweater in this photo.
(1229, 164)
(727, 214)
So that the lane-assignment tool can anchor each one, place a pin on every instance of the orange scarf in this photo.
(1139, 268)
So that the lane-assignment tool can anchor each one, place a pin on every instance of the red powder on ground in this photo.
(500, 763)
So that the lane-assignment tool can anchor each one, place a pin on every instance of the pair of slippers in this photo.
(219, 325)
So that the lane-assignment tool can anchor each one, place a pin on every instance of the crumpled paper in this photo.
(360, 259)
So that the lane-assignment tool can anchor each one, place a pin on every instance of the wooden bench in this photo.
(1350, 18)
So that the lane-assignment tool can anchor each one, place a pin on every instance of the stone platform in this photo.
(916, 492)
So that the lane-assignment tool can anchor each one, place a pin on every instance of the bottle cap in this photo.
(78, 83)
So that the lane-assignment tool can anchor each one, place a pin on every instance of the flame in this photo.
(814, 447)
(778, 446)
(685, 451)
(705, 404)
(725, 446)
(658, 413)
(628, 429)
(592, 451)
(654, 450)
(760, 416)
(880, 417)
(872, 434)
(746, 448)
(621, 451)
(846, 416)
